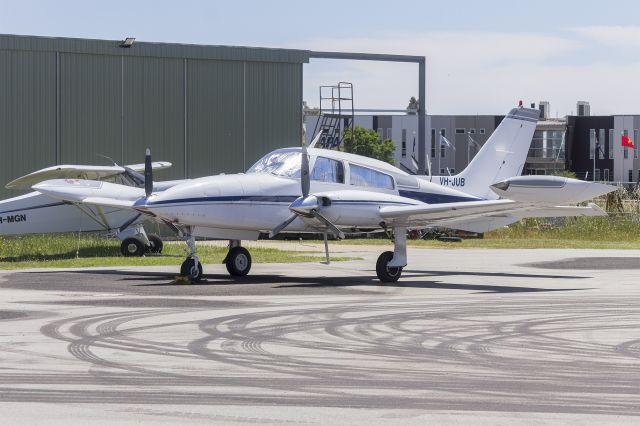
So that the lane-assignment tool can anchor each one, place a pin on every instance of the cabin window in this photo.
(327, 170)
(279, 163)
(363, 176)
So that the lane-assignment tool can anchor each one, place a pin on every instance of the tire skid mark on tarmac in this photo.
(460, 353)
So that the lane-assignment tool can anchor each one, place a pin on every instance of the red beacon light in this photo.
(520, 103)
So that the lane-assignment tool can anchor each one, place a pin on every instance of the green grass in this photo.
(59, 251)
(576, 233)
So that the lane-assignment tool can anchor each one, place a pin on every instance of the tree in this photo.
(368, 143)
(413, 106)
(564, 173)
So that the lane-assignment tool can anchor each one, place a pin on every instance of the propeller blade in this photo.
(148, 173)
(283, 225)
(305, 179)
(338, 233)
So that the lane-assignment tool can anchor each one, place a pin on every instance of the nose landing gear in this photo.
(390, 263)
(191, 267)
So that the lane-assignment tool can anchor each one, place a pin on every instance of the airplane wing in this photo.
(498, 220)
(479, 216)
(71, 171)
(429, 213)
(91, 192)
(156, 165)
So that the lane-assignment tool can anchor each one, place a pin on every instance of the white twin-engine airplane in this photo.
(317, 190)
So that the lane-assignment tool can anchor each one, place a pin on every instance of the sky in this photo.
(482, 57)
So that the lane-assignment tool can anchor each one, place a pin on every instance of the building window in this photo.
(452, 171)
(404, 142)
(601, 139)
(630, 175)
(635, 143)
(596, 175)
(472, 131)
(606, 175)
(482, 131)
(433, 143)
(611, 144)
(389, 135)
(460, 131)
(626, 150)
(592, 143)
(381, 133)
(441, 172)
(443, 151)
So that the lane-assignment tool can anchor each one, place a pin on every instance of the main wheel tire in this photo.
(155, 243)
(385, 273)
(238, 261)
(191, 270)
(131, 247)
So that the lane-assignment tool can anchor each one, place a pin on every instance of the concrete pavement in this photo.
(466, 336)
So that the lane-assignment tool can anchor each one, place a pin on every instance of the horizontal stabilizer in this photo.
(549, 190)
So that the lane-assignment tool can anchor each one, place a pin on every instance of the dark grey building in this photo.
(207, 109)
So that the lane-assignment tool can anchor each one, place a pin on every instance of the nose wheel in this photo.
(238, 261)
(191, 268)
(390, 263)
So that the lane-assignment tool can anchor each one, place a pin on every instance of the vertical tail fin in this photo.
(503, 155)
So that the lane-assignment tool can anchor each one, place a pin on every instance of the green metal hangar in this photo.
(206, 109)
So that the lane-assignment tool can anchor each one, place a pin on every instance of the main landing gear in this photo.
(390, 263)
(136, 242)
(237, 261)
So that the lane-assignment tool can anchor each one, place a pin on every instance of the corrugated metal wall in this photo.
(215, 111)
(27, 113)
(154, 111)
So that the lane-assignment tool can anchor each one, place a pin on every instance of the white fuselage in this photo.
(259, 201)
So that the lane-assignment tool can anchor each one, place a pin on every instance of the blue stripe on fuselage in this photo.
(424, 197)
(429, 198)
(255, 198)
(230, 198)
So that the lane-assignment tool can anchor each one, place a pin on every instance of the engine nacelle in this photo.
(549, 189)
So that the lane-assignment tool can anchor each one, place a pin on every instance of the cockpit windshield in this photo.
(282, 163)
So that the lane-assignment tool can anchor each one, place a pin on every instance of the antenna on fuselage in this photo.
(314, 141)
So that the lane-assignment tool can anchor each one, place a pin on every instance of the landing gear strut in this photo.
(238, 260)
(390, 263)
(191, 267)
